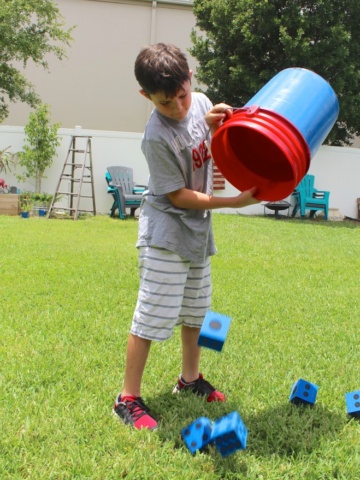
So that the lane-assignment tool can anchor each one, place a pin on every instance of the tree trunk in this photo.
(38, 182)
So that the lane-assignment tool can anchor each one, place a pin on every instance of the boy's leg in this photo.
(190, 378)
(129, 405)
(190, 353)
(196, 302)
(155, 316)
(137, 353)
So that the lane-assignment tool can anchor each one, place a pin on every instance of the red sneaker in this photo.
(200, 387)
(132, 410)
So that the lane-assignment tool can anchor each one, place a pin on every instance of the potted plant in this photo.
(25, 209)
(46, 199)
(26, 204)
(42, 202)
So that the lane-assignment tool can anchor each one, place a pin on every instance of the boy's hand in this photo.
(246, 198)
(215, 117)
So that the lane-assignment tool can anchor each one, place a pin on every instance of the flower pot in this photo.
(42, 212)
(24, 214)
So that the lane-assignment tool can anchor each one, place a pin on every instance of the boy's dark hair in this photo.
(161, 68)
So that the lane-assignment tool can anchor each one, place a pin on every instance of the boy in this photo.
(175, 239)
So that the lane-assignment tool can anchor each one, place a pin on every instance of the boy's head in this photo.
(161, 68)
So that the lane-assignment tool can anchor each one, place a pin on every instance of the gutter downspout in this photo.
(150, 106)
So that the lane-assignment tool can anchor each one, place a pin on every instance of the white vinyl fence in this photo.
(336, 169)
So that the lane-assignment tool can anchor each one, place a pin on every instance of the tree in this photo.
(29, 30)
(7, 160)
(241, 44)
(41, 141)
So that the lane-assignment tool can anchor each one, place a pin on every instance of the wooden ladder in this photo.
(77, 171)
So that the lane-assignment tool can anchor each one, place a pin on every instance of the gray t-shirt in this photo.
(177, 157)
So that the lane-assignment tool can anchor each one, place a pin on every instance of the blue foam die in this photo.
(214, 331)
(353, 403)
(198, 434)
(229, 434)
(303, 392)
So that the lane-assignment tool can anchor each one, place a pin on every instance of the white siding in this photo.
(95, 87)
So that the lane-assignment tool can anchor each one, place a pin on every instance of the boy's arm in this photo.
(186, 198)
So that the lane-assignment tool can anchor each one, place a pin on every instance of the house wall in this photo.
(95, 87)
(336, 169)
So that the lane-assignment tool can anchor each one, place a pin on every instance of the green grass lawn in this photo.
(68, 291)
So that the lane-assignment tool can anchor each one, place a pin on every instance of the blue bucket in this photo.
(305, 99)
(269, 143)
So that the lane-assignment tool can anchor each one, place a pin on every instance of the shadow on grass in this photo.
(286, 430)
(175, 412)
(290, 430)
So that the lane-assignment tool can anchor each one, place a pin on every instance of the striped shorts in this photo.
(173, 291)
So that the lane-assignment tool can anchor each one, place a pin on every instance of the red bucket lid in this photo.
(260, 148)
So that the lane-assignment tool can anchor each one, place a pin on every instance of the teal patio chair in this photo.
(111, 191)
(125, 193)
(307, 197)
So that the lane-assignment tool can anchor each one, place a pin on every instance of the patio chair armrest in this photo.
(115, 185)
(139, 189)
(320, 194)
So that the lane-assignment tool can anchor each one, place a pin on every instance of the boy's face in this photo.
(176, 107)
